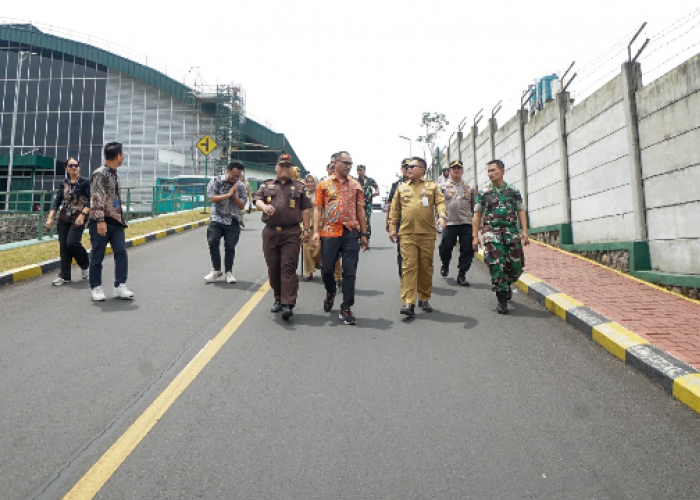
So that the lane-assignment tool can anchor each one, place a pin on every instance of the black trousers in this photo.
(230, 233)
(70, 245)
(463, 232)
(399, 257)
(348, 246)
(115, 236)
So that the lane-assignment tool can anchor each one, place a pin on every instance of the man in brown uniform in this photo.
(415, 203)
(284, 205)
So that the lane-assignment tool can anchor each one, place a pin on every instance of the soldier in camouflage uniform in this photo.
(499, 206)
(371, 189)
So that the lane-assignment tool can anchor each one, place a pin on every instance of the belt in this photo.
(280, 228)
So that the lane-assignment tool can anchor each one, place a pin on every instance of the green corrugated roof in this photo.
(27, 34)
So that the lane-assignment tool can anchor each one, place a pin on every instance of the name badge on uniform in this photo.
(292, 203)
(269, 199)
(116, 202)
(425, 201)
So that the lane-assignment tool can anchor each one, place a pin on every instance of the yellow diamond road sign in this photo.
(206, 145)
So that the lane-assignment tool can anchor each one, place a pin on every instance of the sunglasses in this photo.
(73, 165)
(345, 162)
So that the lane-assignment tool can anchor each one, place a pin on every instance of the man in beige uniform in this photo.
(459, 198)
(415, 204)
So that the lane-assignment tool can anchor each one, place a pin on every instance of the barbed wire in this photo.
(646, 56)
(622, 40)
(599, 68)
(667, 29)
(651, 71)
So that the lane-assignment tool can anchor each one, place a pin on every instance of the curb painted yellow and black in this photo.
(676, 377)
(32, 270)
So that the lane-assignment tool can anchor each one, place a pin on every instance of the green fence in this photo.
(137, 202)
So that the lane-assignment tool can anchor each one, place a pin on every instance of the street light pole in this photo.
(410, 145)
(22, 56)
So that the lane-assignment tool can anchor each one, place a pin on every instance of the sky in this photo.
(356, 75)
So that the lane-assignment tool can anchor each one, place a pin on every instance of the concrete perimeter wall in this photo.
(593, 151)
(599, 170)
(669, 136)
(507, 143)
(542, 153)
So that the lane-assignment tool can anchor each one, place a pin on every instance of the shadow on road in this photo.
(239, 285)
(368, 293)
(443, 317)
(445, 292)
(331, 321)
(113, 304)
(523, 311)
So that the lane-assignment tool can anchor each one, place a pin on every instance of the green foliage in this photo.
(434, 124)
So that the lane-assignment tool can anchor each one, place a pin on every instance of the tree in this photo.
(434, 124)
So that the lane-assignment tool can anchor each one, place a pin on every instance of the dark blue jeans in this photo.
(230, 233)
(115, 237)
(348, 246)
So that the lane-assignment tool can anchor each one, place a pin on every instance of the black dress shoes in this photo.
(462, 280)
(276, 307)
(408, 310)
(425, 306)
(444, 271)
(287, 312)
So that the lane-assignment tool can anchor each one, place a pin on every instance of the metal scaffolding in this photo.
(229, 120)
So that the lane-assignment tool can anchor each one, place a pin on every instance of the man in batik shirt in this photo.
(340, 227)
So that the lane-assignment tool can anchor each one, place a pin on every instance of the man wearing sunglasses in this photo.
(415, 204)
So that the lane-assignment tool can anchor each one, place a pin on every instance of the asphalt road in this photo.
(458, 403)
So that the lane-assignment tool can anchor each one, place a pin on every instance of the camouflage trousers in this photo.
(368, 217)
(503, 252)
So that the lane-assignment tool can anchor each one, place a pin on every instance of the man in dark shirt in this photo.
(284, 205)
(107, 224)
(392, 192)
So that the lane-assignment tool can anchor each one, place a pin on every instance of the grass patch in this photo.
(33, 254)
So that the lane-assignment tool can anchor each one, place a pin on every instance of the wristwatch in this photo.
(364, 234)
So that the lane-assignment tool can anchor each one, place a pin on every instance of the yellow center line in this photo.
(94, 479)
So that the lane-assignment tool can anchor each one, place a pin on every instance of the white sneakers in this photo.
(213, 276)
(98, 293)
(123, 292)
(59, 281)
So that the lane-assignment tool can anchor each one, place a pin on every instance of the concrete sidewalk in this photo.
(655, 331)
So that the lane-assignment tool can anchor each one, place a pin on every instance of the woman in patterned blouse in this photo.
(73, 199)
